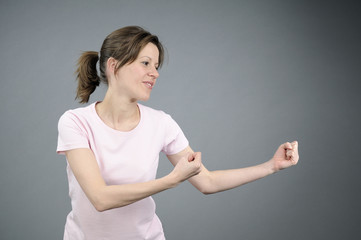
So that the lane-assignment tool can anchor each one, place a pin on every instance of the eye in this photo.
(145, 63)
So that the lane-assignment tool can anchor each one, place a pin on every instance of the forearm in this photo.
(104, 197)
(209, 182)
(227, 179)
(115, 196)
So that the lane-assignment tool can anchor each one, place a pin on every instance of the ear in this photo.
(111, 65)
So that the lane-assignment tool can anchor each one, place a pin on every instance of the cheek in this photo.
(132, 74)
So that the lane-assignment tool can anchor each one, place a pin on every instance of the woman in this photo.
(112, 147)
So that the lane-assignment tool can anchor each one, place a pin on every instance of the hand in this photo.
(187, 167)
(285, 156)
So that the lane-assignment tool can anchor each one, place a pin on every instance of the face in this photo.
(136, 80)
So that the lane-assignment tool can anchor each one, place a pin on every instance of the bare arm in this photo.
(103, 197)
(209, 182)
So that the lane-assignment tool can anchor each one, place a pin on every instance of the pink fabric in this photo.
(123, 157)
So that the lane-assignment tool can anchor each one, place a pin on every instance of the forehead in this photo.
(151, 51)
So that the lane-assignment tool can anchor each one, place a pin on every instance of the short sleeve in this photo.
(175, 140)
(71, 135)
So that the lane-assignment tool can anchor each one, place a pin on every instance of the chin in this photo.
(144, 98)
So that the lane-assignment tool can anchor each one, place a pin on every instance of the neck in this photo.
(118, 112)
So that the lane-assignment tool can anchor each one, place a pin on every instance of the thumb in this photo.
(191, 157)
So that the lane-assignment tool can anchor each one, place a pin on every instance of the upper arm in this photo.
(200, 181)
(86, 170)
(71, 133)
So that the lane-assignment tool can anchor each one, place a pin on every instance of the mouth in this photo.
(149, 84)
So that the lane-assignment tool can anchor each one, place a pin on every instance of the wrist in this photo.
(270, 168)
(171, 180)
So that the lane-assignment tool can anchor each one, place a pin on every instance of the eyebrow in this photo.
(149, 58)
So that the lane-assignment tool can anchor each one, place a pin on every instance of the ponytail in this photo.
(87, 76)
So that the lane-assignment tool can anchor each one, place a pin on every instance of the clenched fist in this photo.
(188, 166)
(285, 156)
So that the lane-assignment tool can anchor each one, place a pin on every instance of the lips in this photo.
(149, 84)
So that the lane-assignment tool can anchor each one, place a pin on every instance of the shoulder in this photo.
(76, 115)
(153, 113)
(156, 118)
(159, 118)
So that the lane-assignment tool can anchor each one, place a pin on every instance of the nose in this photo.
(154, 73)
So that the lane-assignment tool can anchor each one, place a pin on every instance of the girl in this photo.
(112, 146)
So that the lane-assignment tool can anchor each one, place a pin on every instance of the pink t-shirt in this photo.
(123, 157)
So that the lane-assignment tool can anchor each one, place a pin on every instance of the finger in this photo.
(290, 154)
(197, 159)
(190, 157)
(198, 156)
(287, 145)
(295, 149)
(295, 146)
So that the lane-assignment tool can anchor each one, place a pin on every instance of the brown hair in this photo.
(123, 45)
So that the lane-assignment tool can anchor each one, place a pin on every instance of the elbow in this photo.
(99, 205)
(99, 208)
(206, 186)
(206, 190)
(102, 204)
(206, 193)
(102, 199)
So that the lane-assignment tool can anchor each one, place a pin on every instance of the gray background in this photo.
(241, 77)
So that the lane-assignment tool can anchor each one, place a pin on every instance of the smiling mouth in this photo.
(149, 84)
